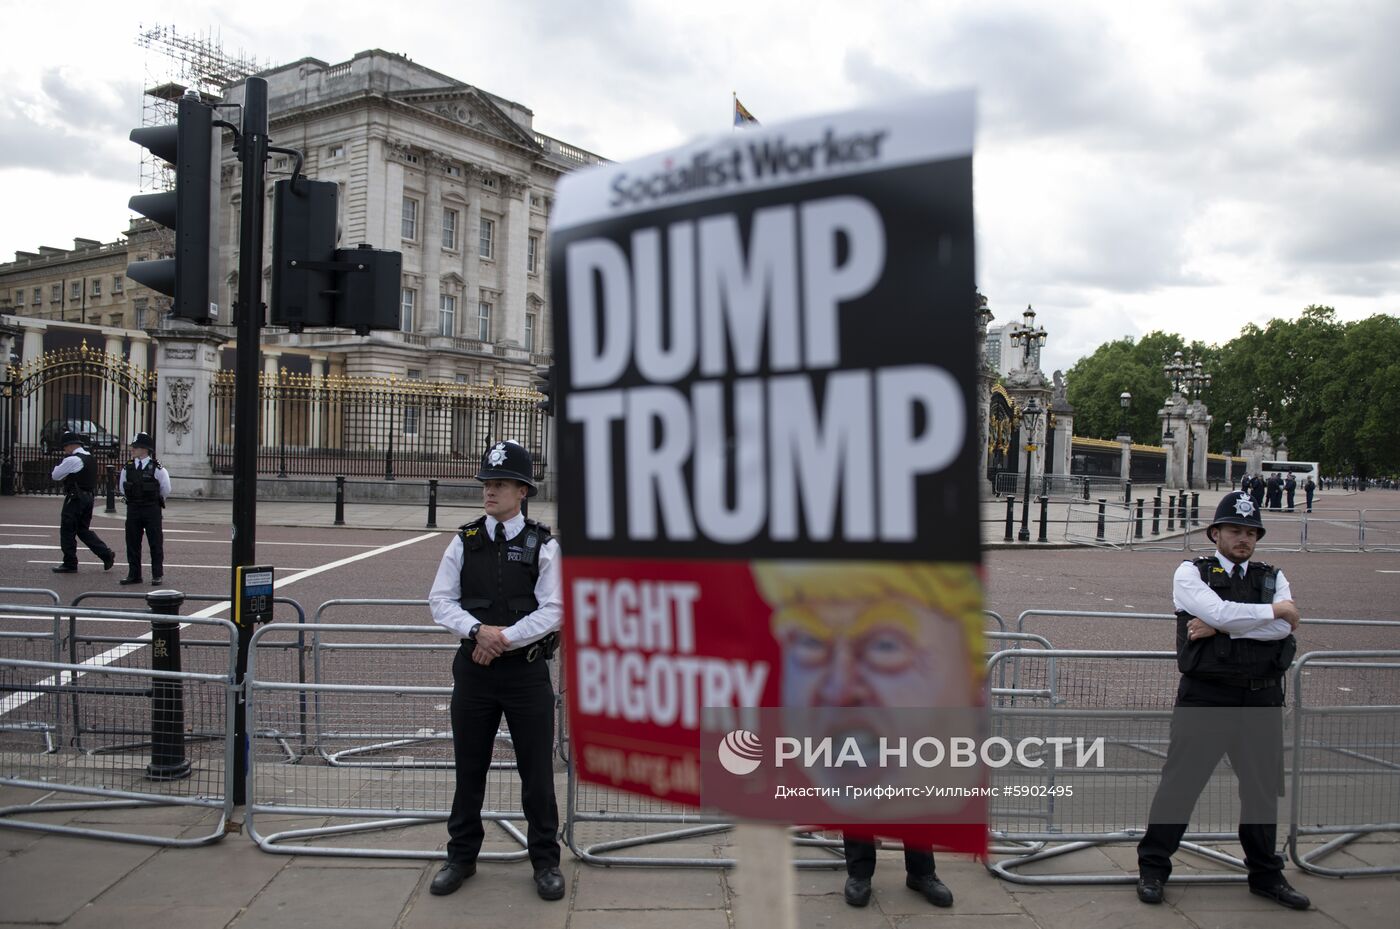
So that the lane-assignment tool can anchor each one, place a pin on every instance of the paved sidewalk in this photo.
(81, 883)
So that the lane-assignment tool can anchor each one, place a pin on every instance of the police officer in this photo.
(144, 484)
(498, 588)
(1290, 487)
(78, 472)
(1235, 620)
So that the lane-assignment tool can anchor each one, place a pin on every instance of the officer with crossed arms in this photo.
(1235, 620)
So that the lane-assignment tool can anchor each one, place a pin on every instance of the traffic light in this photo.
(191, 209)
(544, 383)
(303, 245)
(316, 284)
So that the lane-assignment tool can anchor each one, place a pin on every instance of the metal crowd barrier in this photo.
(380, 752)
(1346, 747)
(135, 705)
(1125, 697)
(1107, 525)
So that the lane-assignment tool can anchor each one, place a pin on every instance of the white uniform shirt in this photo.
(445, 597)
(70, 465)
(1237, 620)
(162, 477)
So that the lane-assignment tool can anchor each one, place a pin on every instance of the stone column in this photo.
(1200, 437)
(471, 254)
(318, 393)
(430, 242)
(140, 360)
(34, 409)
(514, 283)
(1175, 446)
(1064, 442)
(111, 403)
(1125, 457)
(187, 360)
(270, 380)
(984, 418)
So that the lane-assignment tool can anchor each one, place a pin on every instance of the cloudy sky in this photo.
(1186, 166)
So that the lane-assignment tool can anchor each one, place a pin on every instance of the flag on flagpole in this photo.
(742, 117)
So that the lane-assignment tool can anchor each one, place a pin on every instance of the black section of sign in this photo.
(918, 313)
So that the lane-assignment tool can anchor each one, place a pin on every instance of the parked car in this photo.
(95, 438)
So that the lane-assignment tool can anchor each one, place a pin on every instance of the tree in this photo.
(1095, 382)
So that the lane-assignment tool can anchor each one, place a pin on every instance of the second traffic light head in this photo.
(191, 209)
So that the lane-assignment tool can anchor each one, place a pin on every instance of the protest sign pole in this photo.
(765, 890)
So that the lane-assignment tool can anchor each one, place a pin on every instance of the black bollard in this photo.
(340, 499)
(1182, 514)
(432, 503)
(1195, 507)
(168, 762)
(1128, 493)
(1044, 508)
(1137, 531)
(1086, 488)
(1103, 503)
(1010, 516)
(1171, 512)
(1157, 513)
(111, 489)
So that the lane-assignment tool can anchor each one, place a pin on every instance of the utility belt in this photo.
(1244, 683)
(544, 648)
(77, 492)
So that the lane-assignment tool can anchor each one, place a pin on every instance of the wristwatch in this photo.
(472, 635)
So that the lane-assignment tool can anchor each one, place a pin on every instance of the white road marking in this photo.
(121, 561)
(55, 529)
(15, 701)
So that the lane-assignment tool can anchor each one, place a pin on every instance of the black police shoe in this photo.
(1283, 894)
(1150, 890)
(933, 890)
(157, 580)
(129, 580)
(857, 891)
(108, 560)
(549, 884)
(451, 877)
(66, 569)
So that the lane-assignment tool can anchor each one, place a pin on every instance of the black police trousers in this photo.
(74, 523)
(860, 859)
(144, 517)
(481, 694)
(1203, 730)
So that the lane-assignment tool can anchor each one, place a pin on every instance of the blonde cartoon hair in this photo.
(952, 589)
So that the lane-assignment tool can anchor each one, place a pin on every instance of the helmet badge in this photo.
(1244, 506)
(497, 455)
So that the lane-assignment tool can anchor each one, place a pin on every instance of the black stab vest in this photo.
(1220, 657)
(498, 578)
(85, 479)
(140, 485)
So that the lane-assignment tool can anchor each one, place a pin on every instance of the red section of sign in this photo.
(654, 647)
(647, 653)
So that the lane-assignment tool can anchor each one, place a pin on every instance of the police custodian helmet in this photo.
(509, 461)
(143, 440)
(1236, 509)
(71, 438)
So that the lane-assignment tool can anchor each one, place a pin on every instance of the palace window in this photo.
(488, 235)
(532, 251)
(447, 314)
(410, 219)
(408, 297)
(530, 332)
(449, 229)
(483, 321)
(97, 287)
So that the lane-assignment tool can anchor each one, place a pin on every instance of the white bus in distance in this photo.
(1301, 471)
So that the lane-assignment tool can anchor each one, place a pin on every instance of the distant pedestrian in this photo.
(1256, 491)
(78, 472)
(144, 484)
(1289, 487)
(1308, 488)
(1274, 487)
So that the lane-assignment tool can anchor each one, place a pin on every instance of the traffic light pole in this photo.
(252, 152)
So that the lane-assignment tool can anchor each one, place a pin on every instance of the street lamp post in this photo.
(1027, 336)
(1125, 400)
(1229, 461)
(1029, 419)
